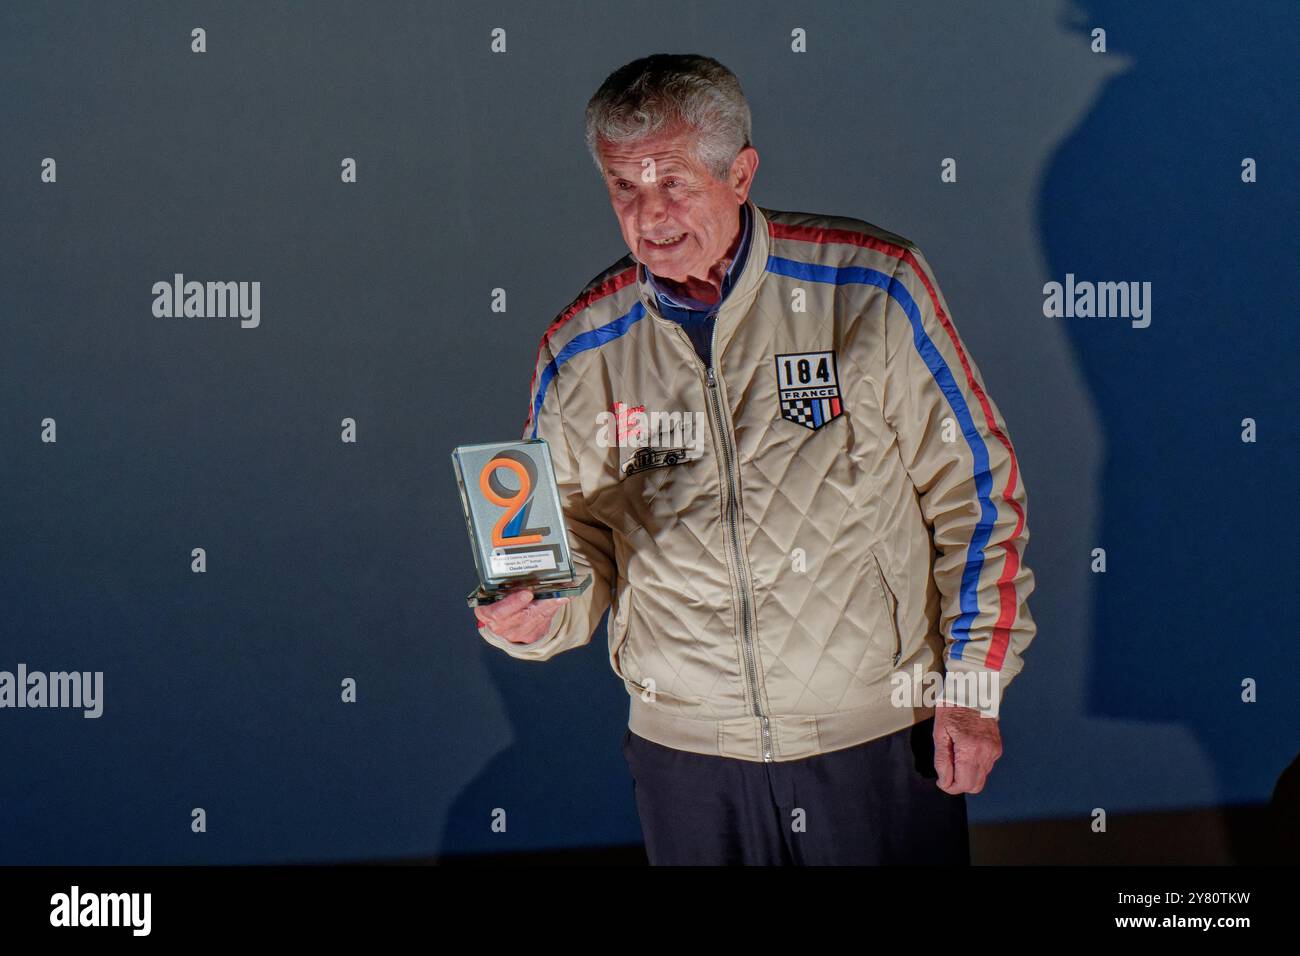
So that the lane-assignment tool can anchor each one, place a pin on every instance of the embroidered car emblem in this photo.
(650, 457)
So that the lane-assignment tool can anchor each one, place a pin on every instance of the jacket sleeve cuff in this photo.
(974, 686)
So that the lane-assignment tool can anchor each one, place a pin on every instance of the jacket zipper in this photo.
(747, 640)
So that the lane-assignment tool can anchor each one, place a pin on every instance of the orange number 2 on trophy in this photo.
(506, 532)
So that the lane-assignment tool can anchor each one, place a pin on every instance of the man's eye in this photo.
(671, 182)
(624, 185)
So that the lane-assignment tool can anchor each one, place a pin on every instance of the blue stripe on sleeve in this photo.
(943, 377)
(593, 338)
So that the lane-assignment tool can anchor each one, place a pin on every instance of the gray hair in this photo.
(660, 91)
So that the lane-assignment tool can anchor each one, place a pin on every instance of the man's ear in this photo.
(743, 168)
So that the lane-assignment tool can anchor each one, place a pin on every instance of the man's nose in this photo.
(651, 209)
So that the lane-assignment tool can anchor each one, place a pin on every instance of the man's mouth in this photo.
(668, 242)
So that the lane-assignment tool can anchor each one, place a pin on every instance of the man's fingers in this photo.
(501, 612)
(537, 618)
(542, 611)
(519, 617)
(943, 759)
(968, 770)
(531, 609)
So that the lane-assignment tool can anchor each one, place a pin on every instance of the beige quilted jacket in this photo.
(781, 539)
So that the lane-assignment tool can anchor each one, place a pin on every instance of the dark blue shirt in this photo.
(697, 317)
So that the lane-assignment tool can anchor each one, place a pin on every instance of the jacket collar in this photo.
(742, 289)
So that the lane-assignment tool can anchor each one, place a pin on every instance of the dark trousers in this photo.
(875, 803)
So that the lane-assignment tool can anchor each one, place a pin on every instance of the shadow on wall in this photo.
(1198, 527)
(585, 795)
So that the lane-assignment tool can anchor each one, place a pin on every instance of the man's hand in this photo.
(518, 618)
(966, 745)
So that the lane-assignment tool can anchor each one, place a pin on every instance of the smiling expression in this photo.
(675, 217)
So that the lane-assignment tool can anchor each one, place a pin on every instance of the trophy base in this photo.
(541, 590)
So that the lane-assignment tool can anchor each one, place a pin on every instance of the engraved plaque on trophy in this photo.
(516, 523)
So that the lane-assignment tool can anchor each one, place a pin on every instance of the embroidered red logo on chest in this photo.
(628, 421)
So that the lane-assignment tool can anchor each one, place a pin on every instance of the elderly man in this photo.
(795, 497)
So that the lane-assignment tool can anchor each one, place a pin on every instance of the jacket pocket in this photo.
(620, 607)
(891, 607)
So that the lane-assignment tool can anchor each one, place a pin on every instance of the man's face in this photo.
(659, 191)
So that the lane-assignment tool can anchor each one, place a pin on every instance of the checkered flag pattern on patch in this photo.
(808, 388)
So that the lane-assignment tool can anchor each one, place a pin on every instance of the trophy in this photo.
(516, 524)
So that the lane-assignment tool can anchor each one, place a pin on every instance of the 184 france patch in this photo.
(808, 388)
